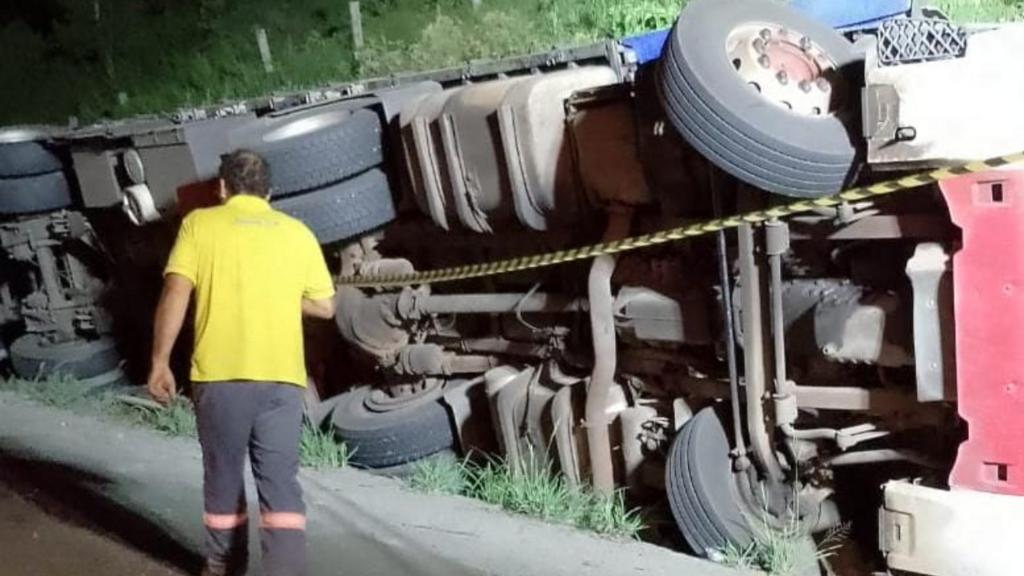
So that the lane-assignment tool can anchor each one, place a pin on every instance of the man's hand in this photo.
(170, 314)
(161, 384)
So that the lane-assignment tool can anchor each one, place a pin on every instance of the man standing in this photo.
(255, 272)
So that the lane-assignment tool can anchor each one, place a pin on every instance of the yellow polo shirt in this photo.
(251, 267)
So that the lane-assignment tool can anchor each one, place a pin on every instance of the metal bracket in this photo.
(881, 115)
(934, 350)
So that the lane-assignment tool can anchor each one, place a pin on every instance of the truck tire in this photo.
(344, 210)
(19, 159)
(33, 194)
(746, 130)
(698, 480)
(33, 358)
(705, 501)
(324, 155)
(408, 470)
(393, 438)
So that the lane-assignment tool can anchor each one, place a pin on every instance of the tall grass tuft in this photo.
(58, 390)
(537, 492)
(786, 550)
(440, 474)
(317, 448)
(322, 449)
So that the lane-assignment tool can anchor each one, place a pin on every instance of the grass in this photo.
(786, 550)
(147, 56)
(440, 476)
(451, 37)
(59, 391)
(317, 448)
(983, 10)
(538, 492)
(175, 419)
(321, 449)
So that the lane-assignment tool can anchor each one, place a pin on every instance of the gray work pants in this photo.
(261, 420)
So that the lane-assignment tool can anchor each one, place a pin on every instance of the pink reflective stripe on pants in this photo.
(282, 521)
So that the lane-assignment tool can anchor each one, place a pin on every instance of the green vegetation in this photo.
(113, 58)
(175, 419)
(537, 492)
(321, 449)
(317, 449)
(58, 391)
(983, 10)
(441, 475)
(786, 550)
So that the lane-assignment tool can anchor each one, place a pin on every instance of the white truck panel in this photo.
(961, 109)
(951, 532)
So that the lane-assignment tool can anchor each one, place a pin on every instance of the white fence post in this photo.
(357, 24)
(264, 44)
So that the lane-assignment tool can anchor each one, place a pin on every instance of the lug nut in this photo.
(782, 77)
(823, 85)
(805, 85)
(764, 61)
(758, 45)
(805, 43)
(766, 34)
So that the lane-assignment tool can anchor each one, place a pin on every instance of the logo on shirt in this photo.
(251, 221)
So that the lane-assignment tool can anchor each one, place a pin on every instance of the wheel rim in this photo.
(403, 396)
(786, 68)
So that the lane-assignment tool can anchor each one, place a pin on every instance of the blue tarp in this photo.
(647, 46)
(840, 14)
(853, 14)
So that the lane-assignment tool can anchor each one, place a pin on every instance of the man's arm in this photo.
(170, 315)
(322, 308)
(318, 294)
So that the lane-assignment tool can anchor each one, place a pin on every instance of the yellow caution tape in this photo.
(679, 233)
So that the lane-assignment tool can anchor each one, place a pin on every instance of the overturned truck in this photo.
(774, 375)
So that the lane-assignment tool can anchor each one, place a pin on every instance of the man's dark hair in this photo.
(245, 172)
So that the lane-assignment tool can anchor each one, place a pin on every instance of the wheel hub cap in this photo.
(786, 68)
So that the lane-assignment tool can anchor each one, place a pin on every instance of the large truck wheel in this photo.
(33, 357)
(23, 153)
(346, 209)
(701, 489)
(708, 501)
(381, 434)
(322, 149)
(765, 93)
(34, 194)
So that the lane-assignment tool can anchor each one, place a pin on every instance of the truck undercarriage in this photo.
(769, 378)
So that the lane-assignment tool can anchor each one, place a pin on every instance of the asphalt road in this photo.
(41, 536)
